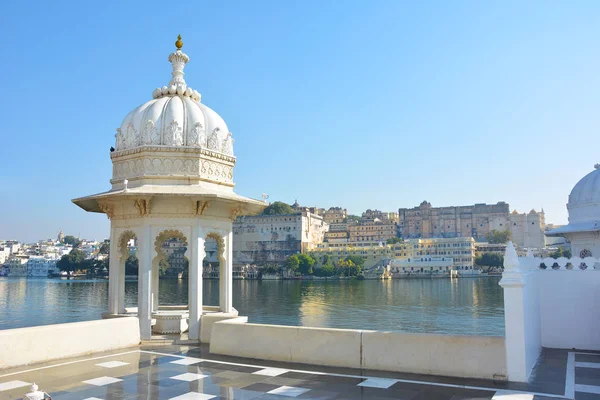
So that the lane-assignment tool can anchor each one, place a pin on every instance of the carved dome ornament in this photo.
(175, 117)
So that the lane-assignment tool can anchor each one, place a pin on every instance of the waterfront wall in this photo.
(25, 346)
(462, 356)
(548, 303)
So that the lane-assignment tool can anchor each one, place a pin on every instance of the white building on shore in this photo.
(41, 267)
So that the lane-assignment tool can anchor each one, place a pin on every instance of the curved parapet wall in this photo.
(25, 346)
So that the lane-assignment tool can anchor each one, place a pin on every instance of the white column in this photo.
(145, 252)
(121, 286)
(226, 275)
(521, 316)
(198, 253)
(113, 273)
(155, 274)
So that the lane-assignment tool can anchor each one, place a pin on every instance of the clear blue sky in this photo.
(378, 104)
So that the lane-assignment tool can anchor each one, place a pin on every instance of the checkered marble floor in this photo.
(183, 374)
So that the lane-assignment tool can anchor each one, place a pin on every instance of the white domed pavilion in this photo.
(583, 230)
(172, 177)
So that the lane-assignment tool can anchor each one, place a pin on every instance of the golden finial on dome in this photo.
(179, 43)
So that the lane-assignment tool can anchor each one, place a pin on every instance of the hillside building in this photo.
(411, 252)
(263, 239)
(477, 221)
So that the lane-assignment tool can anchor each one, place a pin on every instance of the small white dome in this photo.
(175, 117)
(584, 200)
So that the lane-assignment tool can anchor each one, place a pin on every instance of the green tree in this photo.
(560, 252)
(71, 262)
(131, 265)
(498, 237)
(70, 239)
(64, 264)
(394, 240)
(356, 260)
(270, 269)
(306, 264)
(348, 268)
(326, 270)
(278, 208)
(490, 260)
(292, 263)
(104, 248)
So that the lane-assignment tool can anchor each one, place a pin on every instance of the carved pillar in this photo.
(226, 274)
(195, 281)
(114, 273)
(145, 251)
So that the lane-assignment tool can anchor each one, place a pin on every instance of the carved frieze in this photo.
(202, 151)
(167, 166)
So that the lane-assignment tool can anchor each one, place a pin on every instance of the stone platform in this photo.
(191, 372)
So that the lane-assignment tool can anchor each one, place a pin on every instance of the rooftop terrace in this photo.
(191, 372)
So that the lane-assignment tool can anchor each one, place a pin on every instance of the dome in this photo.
(584, 200)
(175, 117)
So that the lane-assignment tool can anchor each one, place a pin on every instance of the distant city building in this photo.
(41, 267)
(461, 252)
(16, 265)
(334, 215)
(494, 248)
(474, 221)
(265, 239)
(477, 221)
(381, 215)
(373, 230)
(174, 249)
(527, 230)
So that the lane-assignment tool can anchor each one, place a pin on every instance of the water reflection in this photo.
(459, 306)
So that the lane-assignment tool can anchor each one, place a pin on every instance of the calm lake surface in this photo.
(470, 306)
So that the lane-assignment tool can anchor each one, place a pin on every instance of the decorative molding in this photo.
(107, 209)
(159, 148)
(168, 166)
(236, 212)
(201, 206)
(227, 147)
(143, 206)
(213, 140)
(217, 237)
(197, 136)
(174, 134)
(168, 234)
(122, 243)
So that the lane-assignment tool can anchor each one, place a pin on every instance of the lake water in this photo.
(470, 306)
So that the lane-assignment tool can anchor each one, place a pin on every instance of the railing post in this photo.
(521, 316)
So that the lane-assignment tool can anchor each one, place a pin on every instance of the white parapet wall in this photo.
(568, 302)
(447, 355)
(36, 344)
(548, 303)
(463, 356)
